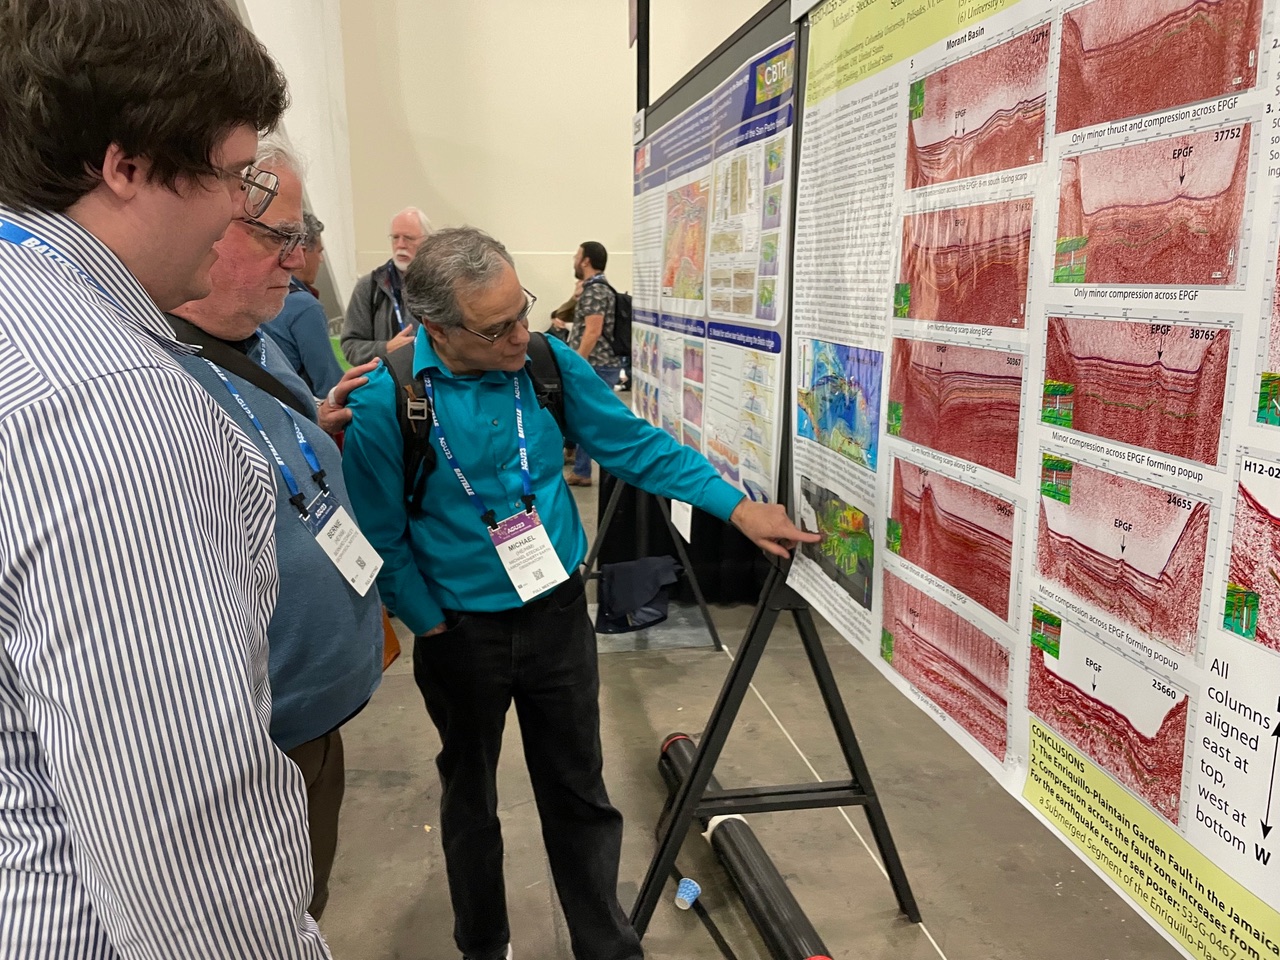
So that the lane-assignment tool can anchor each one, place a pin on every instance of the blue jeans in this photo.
(582, 459)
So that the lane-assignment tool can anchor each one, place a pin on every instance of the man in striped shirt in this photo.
(144, 812)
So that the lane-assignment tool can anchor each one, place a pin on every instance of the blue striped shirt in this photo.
(144, 812)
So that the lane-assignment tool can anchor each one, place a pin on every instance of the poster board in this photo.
(1035, 380)
(711, 238)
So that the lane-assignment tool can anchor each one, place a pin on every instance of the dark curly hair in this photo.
(163, 79)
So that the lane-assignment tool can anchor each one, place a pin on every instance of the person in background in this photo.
(562, 316)
(561, 324)
(301, 329)
(494, 626)
(144, 811)
(312, 253)
(591, 333)
(325, 637)
(377, 321)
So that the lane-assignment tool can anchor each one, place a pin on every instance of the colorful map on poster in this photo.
(840, 400)
(685, 256)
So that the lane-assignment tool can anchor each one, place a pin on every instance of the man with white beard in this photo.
(377, 322)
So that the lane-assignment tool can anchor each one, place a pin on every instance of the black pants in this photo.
(542, 656)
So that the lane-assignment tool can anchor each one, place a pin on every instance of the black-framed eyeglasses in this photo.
(260, 187)
(289, 241)
(508, 326)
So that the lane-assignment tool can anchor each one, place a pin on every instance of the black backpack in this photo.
(620, 336)
(413, 410)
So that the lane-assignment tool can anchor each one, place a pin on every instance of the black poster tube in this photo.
(785, 929)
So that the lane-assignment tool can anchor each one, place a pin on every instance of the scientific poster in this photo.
(711, 237)
(1035, 381)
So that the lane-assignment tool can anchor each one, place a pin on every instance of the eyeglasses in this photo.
(260, 187)
(288, 240)
(507, 327)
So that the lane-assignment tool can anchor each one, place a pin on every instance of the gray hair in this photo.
(423, 220)
(450, 262)
(276, 152)
(313, 227)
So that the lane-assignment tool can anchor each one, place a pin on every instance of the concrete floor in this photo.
(991, 881)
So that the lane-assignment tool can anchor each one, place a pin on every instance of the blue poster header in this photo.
(753, 339)
(756, 102)
(685, 325)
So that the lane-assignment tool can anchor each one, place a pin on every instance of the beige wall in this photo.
(511, 115)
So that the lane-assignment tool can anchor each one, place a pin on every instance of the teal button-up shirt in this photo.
(444, 559)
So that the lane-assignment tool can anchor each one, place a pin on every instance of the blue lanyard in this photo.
(11, 232)
(397, 287)
(317, 474)
(317, 471)
(526, 476)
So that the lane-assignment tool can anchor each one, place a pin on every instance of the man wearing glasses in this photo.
(377, 322)
(325, 638)
(486, 577)
(144, 811)
(301, 329)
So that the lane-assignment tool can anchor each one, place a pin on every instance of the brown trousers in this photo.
(322, 764)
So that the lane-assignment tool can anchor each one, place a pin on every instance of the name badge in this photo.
(342, 542)
(527, 555)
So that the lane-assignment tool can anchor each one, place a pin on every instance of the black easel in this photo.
(681, 553)
(693, 800)
(776, 598)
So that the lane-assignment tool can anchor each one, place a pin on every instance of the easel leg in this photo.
(713, 739)
(615, 498)
(683, 554)
(853, 758)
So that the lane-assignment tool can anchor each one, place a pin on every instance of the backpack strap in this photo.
(233, 361)
(548, 382)
(413, 413)
(413, 410)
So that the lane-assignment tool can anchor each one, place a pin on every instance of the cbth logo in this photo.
(775, 77)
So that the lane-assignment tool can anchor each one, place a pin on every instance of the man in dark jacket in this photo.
(377, 322)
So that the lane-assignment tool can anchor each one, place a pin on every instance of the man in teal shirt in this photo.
(486, 634)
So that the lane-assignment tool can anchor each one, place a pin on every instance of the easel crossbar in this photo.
(799, 796)
(692, 798)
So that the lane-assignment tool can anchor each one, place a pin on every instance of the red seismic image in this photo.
(1132, 550)
(966, 265)
(981, 115)
(1149, 766)
(1154, 385)
(960, 534)
(963, 401)
(949, 660)
(1253, 576)
(1124, 58)
(1155, 213)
